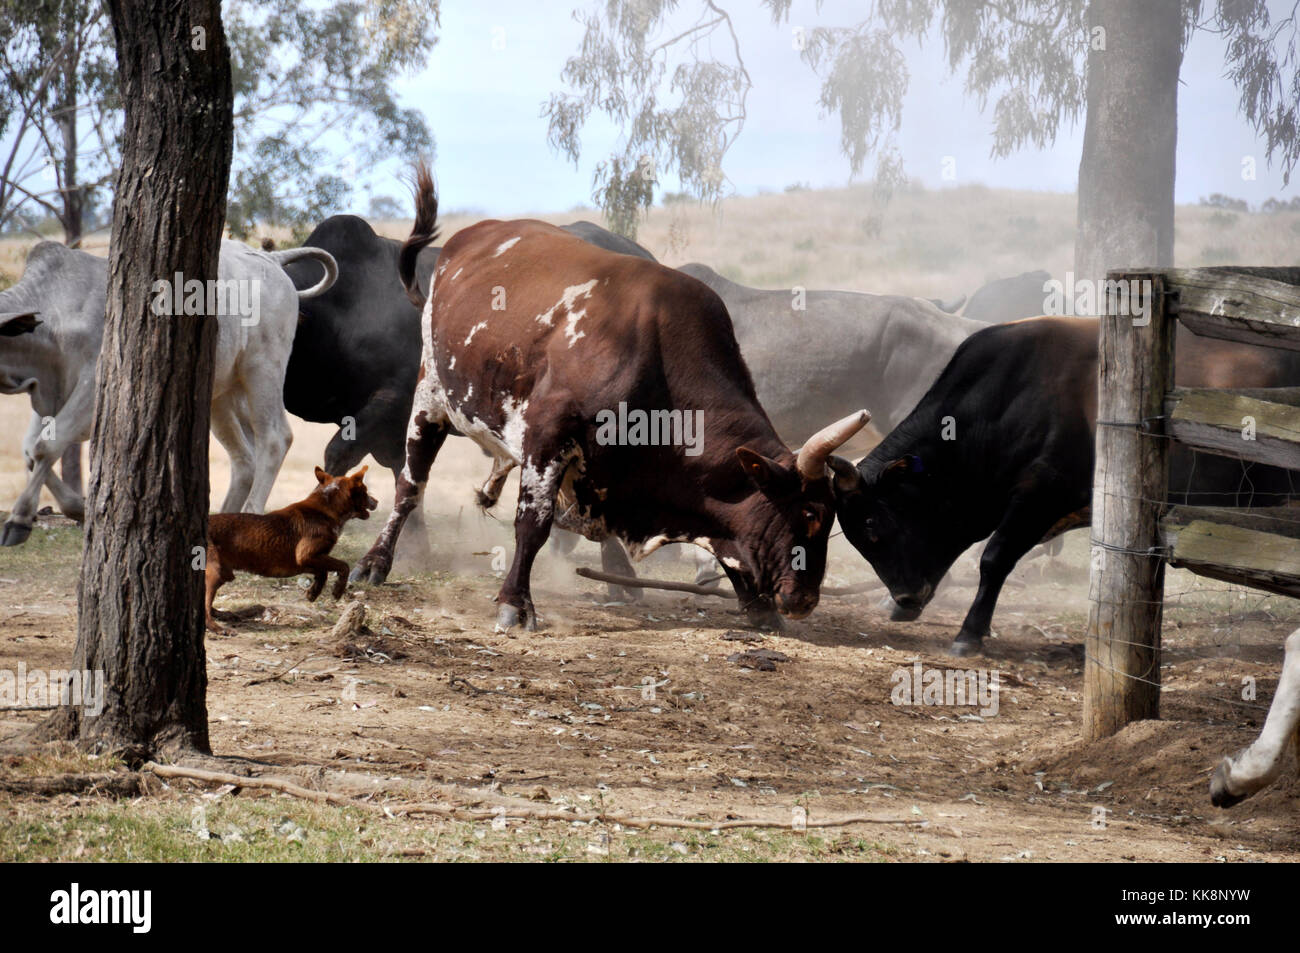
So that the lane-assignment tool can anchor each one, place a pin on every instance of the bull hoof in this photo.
(509, 616)
(14, 534)
(901, 614)
(965, 646)
(368, 570)
(1220, 796)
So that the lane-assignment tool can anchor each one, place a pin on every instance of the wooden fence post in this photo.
(1122, 666)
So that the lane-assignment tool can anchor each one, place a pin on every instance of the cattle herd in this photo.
(532, 340)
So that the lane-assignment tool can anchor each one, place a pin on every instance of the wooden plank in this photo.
(1235, 425)
(1279, 520)
(1236, 306)
(1121, 674)
(1267, 561)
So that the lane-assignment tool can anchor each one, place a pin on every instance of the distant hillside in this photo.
(934, 243)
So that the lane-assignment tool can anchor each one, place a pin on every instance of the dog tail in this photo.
(424, 231)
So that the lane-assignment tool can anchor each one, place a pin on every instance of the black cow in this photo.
(1002, 447)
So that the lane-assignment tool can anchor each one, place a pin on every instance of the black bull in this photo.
(1001, 447)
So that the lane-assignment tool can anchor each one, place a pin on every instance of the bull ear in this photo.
(15, 323)
(845, 474)
(763, 471)
(897, 469)
(322, 476)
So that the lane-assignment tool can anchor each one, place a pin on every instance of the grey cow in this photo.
(57, 310)
(862, 350)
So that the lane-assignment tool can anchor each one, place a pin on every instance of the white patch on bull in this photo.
(567, 301)
(473, 331)
(515, 427)
(505, 247)
(451, 363)
(704, 544)
(537, 488)
(457, 274)
(639, 550)
(731, 561)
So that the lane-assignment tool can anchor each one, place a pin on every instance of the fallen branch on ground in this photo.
(636, 582)
(457, 812)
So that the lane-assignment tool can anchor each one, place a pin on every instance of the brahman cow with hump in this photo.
(533, 338)
(1002, 447)
(64, 290)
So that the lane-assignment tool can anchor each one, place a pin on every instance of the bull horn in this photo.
(811, 461)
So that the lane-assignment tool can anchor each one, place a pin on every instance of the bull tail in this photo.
(327, 261)
(424, 231)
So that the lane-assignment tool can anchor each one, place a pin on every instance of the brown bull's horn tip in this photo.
(811, 460)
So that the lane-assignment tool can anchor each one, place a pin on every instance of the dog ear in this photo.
(356, 477)
(321, 476)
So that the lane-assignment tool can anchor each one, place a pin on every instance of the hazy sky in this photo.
(483, 105)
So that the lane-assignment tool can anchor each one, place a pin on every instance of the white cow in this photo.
(51, 328)
(1254, 768)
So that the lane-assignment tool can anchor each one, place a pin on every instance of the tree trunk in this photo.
(140, 597)
(1126, 175)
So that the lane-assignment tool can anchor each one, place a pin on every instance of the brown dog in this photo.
(287, 542)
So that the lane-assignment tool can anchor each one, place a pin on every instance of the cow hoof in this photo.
(1220, 796)
(965, 645)
(509, 616)
(369, 570)
(14, 534)
(903, 613)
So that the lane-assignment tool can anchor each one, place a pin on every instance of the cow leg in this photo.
(70, 466)
(272, 436)
(706, 568)
(1251, 769)
(234, 438)
(488, 494)
(613, 560)
(424, 437)
(1025, 524)
(71, 426)
(539, 484)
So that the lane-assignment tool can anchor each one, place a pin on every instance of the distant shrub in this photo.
(676, 198)
(1273, 206)
(1219, 200)
(1222, 219)
(806, 244)
(798, 187)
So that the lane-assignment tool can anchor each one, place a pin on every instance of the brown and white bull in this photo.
(534, 341)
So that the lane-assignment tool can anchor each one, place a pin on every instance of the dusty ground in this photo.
(431, 694)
